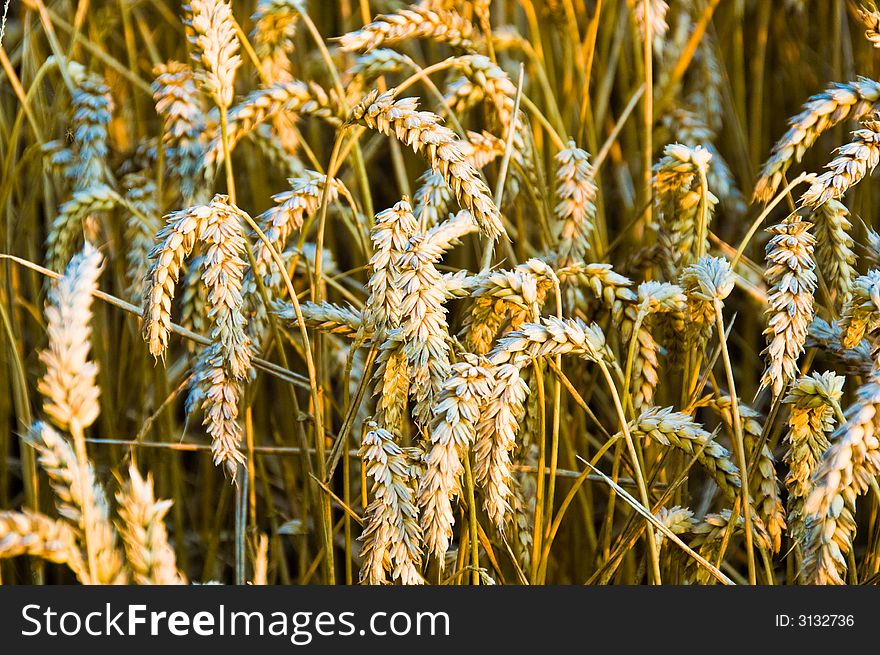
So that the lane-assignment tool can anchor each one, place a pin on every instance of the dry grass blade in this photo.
(632, 502)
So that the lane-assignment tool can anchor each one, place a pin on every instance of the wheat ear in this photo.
(37, 535)
(377, 63)
(73, 220)
(422, 131)
(140, 229)
(447, 234)
(557, 336)
(482, 148)
(845, 473)
(142, 528)
(392, 535)
(92, 112)
(176, 241)
(503, 409)
(678, 519)
(60, 159)
(872, 245)
(499, 294)
(223, 365)
(790, 274)
(709, 280)
(180, 105)
(275, 24)
(194, 299)
(650, 19)
(854, 161)
(452, 434)
(484, 81)
(678, 430)
(640, 323)
(609, 286)
(763, 482)
(425, 332)
(857, 360)
(870, 17)
(691, 130)
(266, 103)
(861, 315)
(68, 386)
(81, 500)
(327, 317)
(431, 199)
(710, 533)
(413, 22)
(82, 162)
(811, 420)
(819, 114)
(390, 235)
(679, 198)
(834, 244)
(391, 383)
(575, 210)
(215, 46)
(278, 223)
(496, 438)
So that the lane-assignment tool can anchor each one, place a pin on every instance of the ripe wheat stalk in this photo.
(425, 367)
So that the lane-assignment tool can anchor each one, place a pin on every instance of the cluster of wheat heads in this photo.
(443, 293)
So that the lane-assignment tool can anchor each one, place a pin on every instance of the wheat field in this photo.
(458, 292)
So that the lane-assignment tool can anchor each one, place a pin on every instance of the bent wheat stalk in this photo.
(223, 365)
(422, 131)
(854, 161)
(851, 100)
(413, 22)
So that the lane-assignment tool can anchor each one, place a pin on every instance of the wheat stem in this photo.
(738, 440)
(640, 479)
